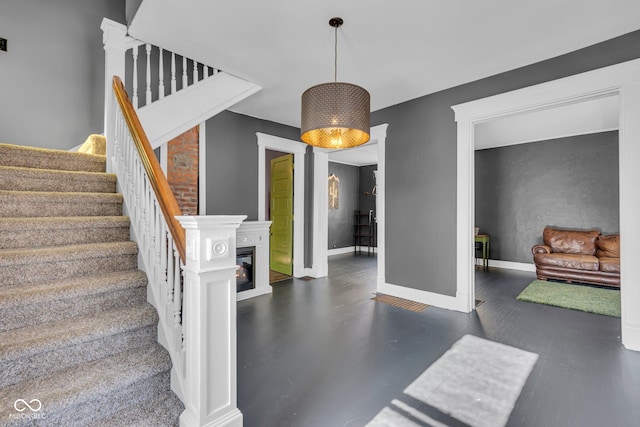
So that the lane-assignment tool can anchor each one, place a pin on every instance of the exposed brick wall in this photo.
(182, 170)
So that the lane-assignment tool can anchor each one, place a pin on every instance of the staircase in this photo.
(76, 331)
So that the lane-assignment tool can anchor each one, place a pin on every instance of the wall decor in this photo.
(333, 191)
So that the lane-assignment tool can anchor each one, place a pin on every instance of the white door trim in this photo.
(321, 210)
(622, 80)
(298, 149)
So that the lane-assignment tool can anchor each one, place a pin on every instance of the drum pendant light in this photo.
(336, 114)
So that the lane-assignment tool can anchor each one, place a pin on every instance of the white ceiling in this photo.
(398, 50)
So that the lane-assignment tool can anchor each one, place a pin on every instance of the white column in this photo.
(629, 208)
(114, 36)
(320, 213)
(210, 321)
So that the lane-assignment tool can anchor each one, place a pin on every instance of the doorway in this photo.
(622, 80)
(320, 198)
(297, 149)
(280, 213)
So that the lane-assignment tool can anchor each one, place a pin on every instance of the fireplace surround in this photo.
(252, 242)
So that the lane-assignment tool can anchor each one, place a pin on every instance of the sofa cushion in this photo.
(610, 264)
(573, 261)
(571, 241)
(608, 246)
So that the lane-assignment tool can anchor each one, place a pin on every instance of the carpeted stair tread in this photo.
(27, 179)
(43, 158)
(25, 352)
(11, 257)
(57, 231)
(37, 265)
(96, 389)
(162, 411)
(32, 304)
(43, 203)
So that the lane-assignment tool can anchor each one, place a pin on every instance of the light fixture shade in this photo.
(335, 115)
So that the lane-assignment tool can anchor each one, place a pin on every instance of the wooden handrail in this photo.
(164, 194)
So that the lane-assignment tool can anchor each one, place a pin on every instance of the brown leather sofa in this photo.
(578, 256)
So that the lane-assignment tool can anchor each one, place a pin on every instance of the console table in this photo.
(484, 240)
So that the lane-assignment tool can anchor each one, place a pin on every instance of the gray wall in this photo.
(566, 182)
(421, 164)
(367, 202)
(232, 162)
(52, 81)
(340, 220)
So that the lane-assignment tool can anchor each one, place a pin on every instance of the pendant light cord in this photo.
(335, 60)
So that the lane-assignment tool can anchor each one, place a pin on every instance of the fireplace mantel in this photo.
(256, 234)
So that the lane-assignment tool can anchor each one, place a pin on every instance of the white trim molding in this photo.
(621, 80)
(510, 265)
(256, 234)
(321, 210)
(298, 149)
(348, 250)
(424, 297)
(202, 168)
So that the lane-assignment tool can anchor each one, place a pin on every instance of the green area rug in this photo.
(575, 297)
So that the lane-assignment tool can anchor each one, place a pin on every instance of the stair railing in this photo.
(146, 65)
(191, 276)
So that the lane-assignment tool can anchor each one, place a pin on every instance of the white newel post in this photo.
(210, 321)
(114, 38)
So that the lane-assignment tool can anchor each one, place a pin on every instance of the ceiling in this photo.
(397, 50)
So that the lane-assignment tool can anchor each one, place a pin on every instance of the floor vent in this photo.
(400, 302)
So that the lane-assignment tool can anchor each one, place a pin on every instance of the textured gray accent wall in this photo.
(567, 182)
(52, 81)
(340, 220)
(232, 162)
(421, 164)
(367, 202)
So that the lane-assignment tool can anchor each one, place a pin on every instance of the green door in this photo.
(282, 214)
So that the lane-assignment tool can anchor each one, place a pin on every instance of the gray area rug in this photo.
(476, 382)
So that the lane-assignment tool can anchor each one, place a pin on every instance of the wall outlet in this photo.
(3, 44)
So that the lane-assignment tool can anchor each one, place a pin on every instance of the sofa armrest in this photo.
(541, 249)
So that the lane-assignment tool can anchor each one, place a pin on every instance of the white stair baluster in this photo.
(160, 75)
(134, 95)
(173, 72)
(148, 91)
(195, 72)
(185, 78)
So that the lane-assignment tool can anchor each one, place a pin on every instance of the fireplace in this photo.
(245, 258)
(252, 259)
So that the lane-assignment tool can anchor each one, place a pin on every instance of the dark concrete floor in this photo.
(320, 353)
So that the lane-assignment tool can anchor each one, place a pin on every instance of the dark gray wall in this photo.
(566, 182)
(52, 81)
(421, 164)
(367, 201)
(340, 220)
(232, 162)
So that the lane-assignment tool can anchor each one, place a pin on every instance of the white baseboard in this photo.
(347, 250)
(425, 297)
(339, 251)
(512, 265)
(631, 336)
(251, 293)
